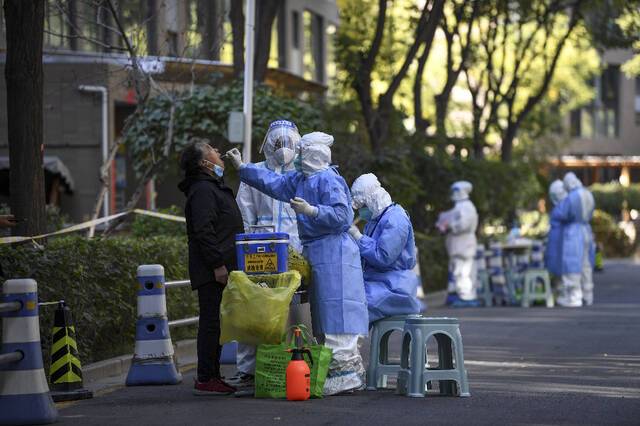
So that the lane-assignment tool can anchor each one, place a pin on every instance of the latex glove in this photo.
(221, 274)
(300, 206)
(355, 233)
(234, 157)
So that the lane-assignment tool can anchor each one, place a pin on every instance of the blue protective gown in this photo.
(389, 256)
(553, 252)
(575, 212)
(338, 303)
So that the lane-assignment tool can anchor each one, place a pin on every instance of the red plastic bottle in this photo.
(298, 374)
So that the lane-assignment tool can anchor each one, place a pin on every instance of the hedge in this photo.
(97, 279)
(610, 197)
(434, 261)
(612, 240)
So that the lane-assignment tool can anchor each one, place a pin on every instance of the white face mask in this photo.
(284, 156)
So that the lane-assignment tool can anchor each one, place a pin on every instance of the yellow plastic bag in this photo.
(297, 262)
(255, 308)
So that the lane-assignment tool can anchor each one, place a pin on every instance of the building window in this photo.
(226, 42)
(273, 48)
(600, 119)
(313, 59)
(637, 103)
(295, 29)
(172, 43)
(134, 15)
(331, 54)
(56, 31)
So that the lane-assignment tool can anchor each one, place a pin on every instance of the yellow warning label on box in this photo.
(261, 262)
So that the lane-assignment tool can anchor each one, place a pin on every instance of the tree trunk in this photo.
(23, 74)
(441, 102)
(265, 16)
(506, 151)
(236, 16)
(478, 144)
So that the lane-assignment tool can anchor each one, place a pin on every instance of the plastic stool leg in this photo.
(418, 349)
(374, 357)
(459, 354)
(445, 362)
(384, 357)
(527, 291)
(548, 292)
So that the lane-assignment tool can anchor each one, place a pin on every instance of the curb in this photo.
(185, 351)
(184, 355)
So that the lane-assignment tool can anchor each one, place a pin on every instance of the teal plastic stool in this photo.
(531, 292)
(414, 376)
(379, 367)
(484, 288)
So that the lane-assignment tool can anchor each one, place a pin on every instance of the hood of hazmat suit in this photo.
(315, 152)
(367, 191)
(571, 181)
(460, 190)
(557, 191)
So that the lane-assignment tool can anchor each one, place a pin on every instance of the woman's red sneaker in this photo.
(212, 387)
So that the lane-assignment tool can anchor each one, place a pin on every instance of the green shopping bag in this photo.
(272, 362)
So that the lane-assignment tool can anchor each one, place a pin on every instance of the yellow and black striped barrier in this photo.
(65, 373)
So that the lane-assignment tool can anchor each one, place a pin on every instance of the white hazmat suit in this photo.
(460, 224)
(258, 209)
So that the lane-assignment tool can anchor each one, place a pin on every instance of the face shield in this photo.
(280, 142)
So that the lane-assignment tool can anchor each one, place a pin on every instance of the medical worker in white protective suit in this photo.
(578, 248)
(460, 225)
(388, 251)
(258, 209)
(322, 201)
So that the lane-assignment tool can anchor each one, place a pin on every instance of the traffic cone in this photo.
(24, 394)
(152, 362)
(65, 374)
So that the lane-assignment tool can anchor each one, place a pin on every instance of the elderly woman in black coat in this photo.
(213, 220)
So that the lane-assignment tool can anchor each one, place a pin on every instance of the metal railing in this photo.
(10, 306)
(14, 356)
(183, 321)
(11, 357)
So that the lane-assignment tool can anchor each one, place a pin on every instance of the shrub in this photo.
(97, 279)
(434, 261)
(613, 241)
(148, 226)
(609, 197)
(204, 112)
(612, 197)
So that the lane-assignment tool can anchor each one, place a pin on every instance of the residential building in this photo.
(605, 135)
(88, 90)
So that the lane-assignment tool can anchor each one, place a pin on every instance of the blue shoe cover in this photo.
(459, 303)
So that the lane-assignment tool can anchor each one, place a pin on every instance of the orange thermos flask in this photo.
(298, 375)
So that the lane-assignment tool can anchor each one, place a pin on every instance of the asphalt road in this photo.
(525, 366)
